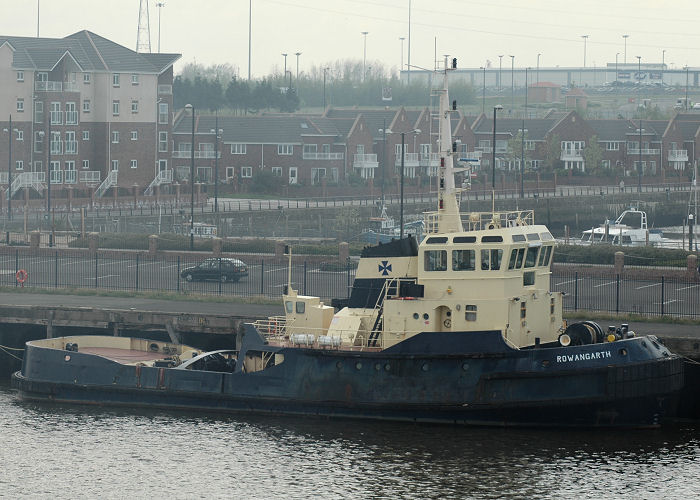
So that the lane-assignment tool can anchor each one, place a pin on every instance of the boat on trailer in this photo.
(460, 328)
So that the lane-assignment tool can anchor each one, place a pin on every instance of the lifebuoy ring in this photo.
(21, 276)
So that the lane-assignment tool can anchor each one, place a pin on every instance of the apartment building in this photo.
(89, 116)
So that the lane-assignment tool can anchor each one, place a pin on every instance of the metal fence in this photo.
(139, 272)
(662, 296)
(654, 296)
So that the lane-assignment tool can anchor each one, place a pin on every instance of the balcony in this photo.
(89, 177)
(678, 155)
(323, 156)
(571, 155)
(410, 160)
(429, 159)
(632, 151)
(197, 154)
(365, 161)
(56, 86)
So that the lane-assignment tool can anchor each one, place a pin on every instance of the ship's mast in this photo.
(448, 208)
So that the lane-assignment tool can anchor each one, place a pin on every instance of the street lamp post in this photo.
(585, 39)
(512, 82)
(497, 107)
(663, 64)
(625, 37)
(639, 166)
(538, 68)
(49, 211)
(522, 146)
(191, 108)
(324, 88)
(297, 77)
(686, 88)
(616, 54)
(483, 91)
(364, 54)
(159, 5)
(9, 170)
(402, 38)
(217, 136)
(500, 70)
(284, 75)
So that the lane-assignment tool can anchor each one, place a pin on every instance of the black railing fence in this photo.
(653, 296)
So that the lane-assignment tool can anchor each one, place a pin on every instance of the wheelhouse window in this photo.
(531, 256)
(516, 258)
(436, 260)
(545, 254)
(491, 259)
(463, 260)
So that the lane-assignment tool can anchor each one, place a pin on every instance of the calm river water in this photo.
(52, 451)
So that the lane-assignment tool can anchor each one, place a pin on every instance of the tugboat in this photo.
(461, 329)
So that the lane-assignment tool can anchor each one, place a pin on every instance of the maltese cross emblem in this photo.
(385, 268)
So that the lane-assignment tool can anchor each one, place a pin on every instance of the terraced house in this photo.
(88, 115)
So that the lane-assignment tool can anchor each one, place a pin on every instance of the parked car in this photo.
(216, 269)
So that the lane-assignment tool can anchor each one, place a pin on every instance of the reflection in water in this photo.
(76, 451)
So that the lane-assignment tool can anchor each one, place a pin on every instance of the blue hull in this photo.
(472, 378)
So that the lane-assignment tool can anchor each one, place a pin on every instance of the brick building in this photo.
(90, 115)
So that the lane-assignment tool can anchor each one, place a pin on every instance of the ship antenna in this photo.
(288, 252)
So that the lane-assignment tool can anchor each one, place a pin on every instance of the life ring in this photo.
(21, 276)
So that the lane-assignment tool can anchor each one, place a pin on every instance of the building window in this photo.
(70, 172)
(86, 105)
(162, 165)
(134, 135)
(71, 143)
(38, 112)
(86, 135)
(277, 171)
(19, 165)
(285, 149)
(71, 114)
(246, 172)
(115, 80)
(115, 108)
(115, 136)
(530, 145)
(605, 163)
(238, 149)
(163, 113)
(38, 142)
(38, 166)
(162, 142)
(292, 175)
(134, 106)
(134, 164)
(20, 76)
(317, 174)
(20, 105)
(134, 79)
(56, 143)
(115, 164)
(310, 149)
(42, 77)
(86, 77)
(86, 164)
(20, 135)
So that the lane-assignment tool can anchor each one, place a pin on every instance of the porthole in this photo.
(387, 367)
(465, 367)
(339, 365)
(623, 352)
(377, 366)
(426, 316)
(67, 357)
(358, 365)
(416, 315)
(425, 367)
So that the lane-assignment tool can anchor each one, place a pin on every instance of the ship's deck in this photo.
(123, 356)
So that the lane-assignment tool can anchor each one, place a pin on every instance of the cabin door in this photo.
(516, 322)
(443, 319)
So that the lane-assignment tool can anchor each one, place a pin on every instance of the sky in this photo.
(476, 32)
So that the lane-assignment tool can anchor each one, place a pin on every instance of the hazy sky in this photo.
(216, 31)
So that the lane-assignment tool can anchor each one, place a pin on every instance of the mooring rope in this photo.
(7, 350)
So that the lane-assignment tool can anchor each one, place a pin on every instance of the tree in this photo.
(516, 149)
(593, 156)
(552, 153)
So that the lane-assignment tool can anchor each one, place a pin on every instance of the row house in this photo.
(650, 147)
(87, 115)
(300, 149)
